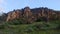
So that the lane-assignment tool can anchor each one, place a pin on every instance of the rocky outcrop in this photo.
(14, 15)
(30, 15)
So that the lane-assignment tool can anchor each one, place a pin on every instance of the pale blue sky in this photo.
(9, 5)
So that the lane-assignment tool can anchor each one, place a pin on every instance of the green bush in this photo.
(44, 26)
(15, 22)
(2, 26)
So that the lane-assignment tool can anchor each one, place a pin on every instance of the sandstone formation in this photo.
(30, 15)
(14, 15)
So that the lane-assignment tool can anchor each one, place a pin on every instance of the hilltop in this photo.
(31, 15)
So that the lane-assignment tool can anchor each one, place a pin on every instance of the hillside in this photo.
(30, 21)
(32, 15)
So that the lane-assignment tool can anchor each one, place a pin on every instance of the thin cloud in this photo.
(2, 1)
(2, 4)
(1, 9)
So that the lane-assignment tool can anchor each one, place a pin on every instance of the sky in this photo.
(10, 5)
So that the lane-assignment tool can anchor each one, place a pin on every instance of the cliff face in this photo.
(30, 15)
(16, 14)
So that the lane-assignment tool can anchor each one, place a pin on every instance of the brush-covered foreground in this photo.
(52, 27)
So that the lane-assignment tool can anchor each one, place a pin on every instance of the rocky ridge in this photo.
(30, 15)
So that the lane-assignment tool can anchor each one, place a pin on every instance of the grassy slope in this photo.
(24, 29)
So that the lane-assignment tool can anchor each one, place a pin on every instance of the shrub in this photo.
(2, 26)
(15, 22)
(28, 30)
